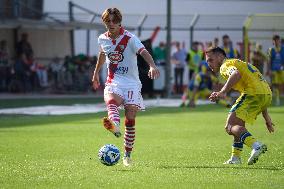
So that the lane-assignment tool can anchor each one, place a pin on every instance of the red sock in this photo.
(129, 135)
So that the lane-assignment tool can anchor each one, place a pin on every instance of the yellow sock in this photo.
(237, 148)
(247, 139)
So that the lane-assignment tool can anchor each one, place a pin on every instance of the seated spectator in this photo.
(56, 69)
(69, 72)
(39, 73)
(82, 74)
(200, 87)
(33, 77)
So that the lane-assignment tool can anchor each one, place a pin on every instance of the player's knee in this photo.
(130, 115)
(130, 112)
(111, 101)
(228, 129)
(237, 130)
(129, 122)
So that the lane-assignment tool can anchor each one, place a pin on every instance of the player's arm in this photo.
(154, 72)
(268, 121)
(100, 62)
(234, 77)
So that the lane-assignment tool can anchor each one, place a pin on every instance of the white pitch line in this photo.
(87, 108)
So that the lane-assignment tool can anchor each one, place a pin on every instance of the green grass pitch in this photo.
(175, 148)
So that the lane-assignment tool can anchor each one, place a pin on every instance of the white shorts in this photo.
(131, 95)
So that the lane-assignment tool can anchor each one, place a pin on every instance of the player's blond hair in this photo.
(112, 11)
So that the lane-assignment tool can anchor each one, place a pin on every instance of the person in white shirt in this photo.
(119, 49)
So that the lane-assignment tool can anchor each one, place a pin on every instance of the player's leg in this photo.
(194, 96)
(129, 135)
(245, 110)
(112, 122)
(235, 126)
(276, 77)
(184, 97)
(133, 102)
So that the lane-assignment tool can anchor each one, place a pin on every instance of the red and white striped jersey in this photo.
(121, 58)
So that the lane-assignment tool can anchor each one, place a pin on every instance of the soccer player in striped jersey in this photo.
(119, 49)
(254, 99)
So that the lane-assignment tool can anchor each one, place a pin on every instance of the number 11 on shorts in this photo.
(130, 94)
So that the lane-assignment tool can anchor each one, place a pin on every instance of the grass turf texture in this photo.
(175, 148)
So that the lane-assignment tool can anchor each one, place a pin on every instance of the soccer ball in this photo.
(109, 154)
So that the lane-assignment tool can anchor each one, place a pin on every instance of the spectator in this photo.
(42, 75)
(21, 75)
(4, 65)
(199, 86)
(216, 42)
(39, 78)
(56, 68)
(230, 51)
(82, 78)
(69, 72)
(159, 53)
(24, 46)
(194, 58)
(179, 60)
(258, 58)
(276, 62)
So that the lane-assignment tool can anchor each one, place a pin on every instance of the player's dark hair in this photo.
(225, 36)
(216, 50)
(195, 43)
(275, 37)
(112, 11)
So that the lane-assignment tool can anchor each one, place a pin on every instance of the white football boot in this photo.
(233, 160)
(255, 153)
(127, 161)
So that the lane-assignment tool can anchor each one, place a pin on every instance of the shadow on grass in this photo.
(221, 167)
(17, 103)
(11, 121)
(126, 170)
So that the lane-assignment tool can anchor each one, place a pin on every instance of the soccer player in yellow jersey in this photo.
(254, 99)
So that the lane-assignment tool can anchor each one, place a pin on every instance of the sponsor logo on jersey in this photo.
(115, 57)
(121, 47)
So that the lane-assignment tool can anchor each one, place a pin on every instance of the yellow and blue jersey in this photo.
(251, 82)
(277, 58)
(231, 52)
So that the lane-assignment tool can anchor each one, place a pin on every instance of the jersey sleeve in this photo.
(100, 44)
(136, 45)
(227, 70)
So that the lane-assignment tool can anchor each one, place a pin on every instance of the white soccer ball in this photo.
(109, 155)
